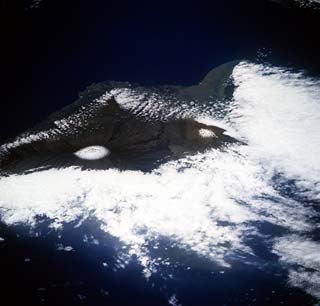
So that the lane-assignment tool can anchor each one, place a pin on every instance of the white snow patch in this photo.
(92, 153)
(207, 203)
(183, 204)
(65, 126)
(205, 133)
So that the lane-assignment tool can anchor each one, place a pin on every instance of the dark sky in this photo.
(50, 53)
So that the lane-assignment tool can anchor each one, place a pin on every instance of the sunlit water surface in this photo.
(235, 226)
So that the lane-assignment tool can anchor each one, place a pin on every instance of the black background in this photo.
(50, 53)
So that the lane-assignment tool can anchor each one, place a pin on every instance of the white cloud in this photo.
(207, 203)
(278, 113)
(303, 257)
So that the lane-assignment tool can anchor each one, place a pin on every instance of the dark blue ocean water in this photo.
(54, 51)
(36, 272)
